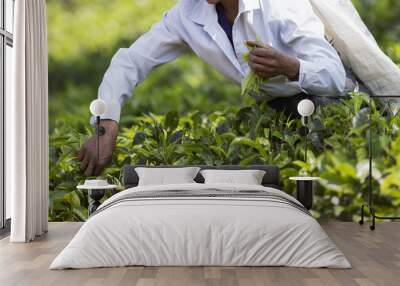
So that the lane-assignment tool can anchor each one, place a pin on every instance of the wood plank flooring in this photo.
(375, 257)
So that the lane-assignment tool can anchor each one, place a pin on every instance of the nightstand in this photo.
(305, 190)
(96, 193)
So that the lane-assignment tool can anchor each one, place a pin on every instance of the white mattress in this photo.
(195, 231)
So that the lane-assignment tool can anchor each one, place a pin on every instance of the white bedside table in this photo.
(305, 190)
(96, 193)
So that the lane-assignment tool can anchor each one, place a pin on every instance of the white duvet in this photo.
(200, 231)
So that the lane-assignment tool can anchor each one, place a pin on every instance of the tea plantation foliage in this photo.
(186, 113)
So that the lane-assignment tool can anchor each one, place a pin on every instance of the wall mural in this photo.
(185, 112)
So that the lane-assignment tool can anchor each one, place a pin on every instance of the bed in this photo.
(197, 224)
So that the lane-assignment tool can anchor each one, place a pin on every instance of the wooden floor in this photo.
(375, 257)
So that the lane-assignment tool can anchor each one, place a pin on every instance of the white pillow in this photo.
(247, 177)
(166, 176)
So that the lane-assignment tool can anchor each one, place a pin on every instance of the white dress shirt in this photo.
(287, 25)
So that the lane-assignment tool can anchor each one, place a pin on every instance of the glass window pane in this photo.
(8, 86)
(9, 15)
(1, 14)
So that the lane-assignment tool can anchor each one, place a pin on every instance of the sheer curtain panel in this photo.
(27, 124)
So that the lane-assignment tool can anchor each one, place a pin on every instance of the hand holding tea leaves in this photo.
(266, 62)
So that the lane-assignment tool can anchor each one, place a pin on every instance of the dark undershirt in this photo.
(224, 22)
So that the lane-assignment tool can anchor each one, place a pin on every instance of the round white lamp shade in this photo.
(306, 107)
(98, 107)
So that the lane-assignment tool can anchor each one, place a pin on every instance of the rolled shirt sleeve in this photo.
(130, 66)
(321, 70)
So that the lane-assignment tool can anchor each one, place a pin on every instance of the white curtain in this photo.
(27, 124)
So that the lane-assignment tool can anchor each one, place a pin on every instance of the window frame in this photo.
(6, 39)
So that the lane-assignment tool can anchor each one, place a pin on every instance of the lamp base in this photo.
(96, 195)
(373, 215)
(305, 193)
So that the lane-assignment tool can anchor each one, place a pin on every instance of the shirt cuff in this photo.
(306, 74)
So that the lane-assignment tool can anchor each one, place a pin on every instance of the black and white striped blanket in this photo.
(205, 194)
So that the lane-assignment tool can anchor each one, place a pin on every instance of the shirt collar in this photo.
(200, 11)
(248, 5)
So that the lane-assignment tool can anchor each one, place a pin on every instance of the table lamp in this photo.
(98, 186)
(98, 107)
(305, 108)
(305, 184)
